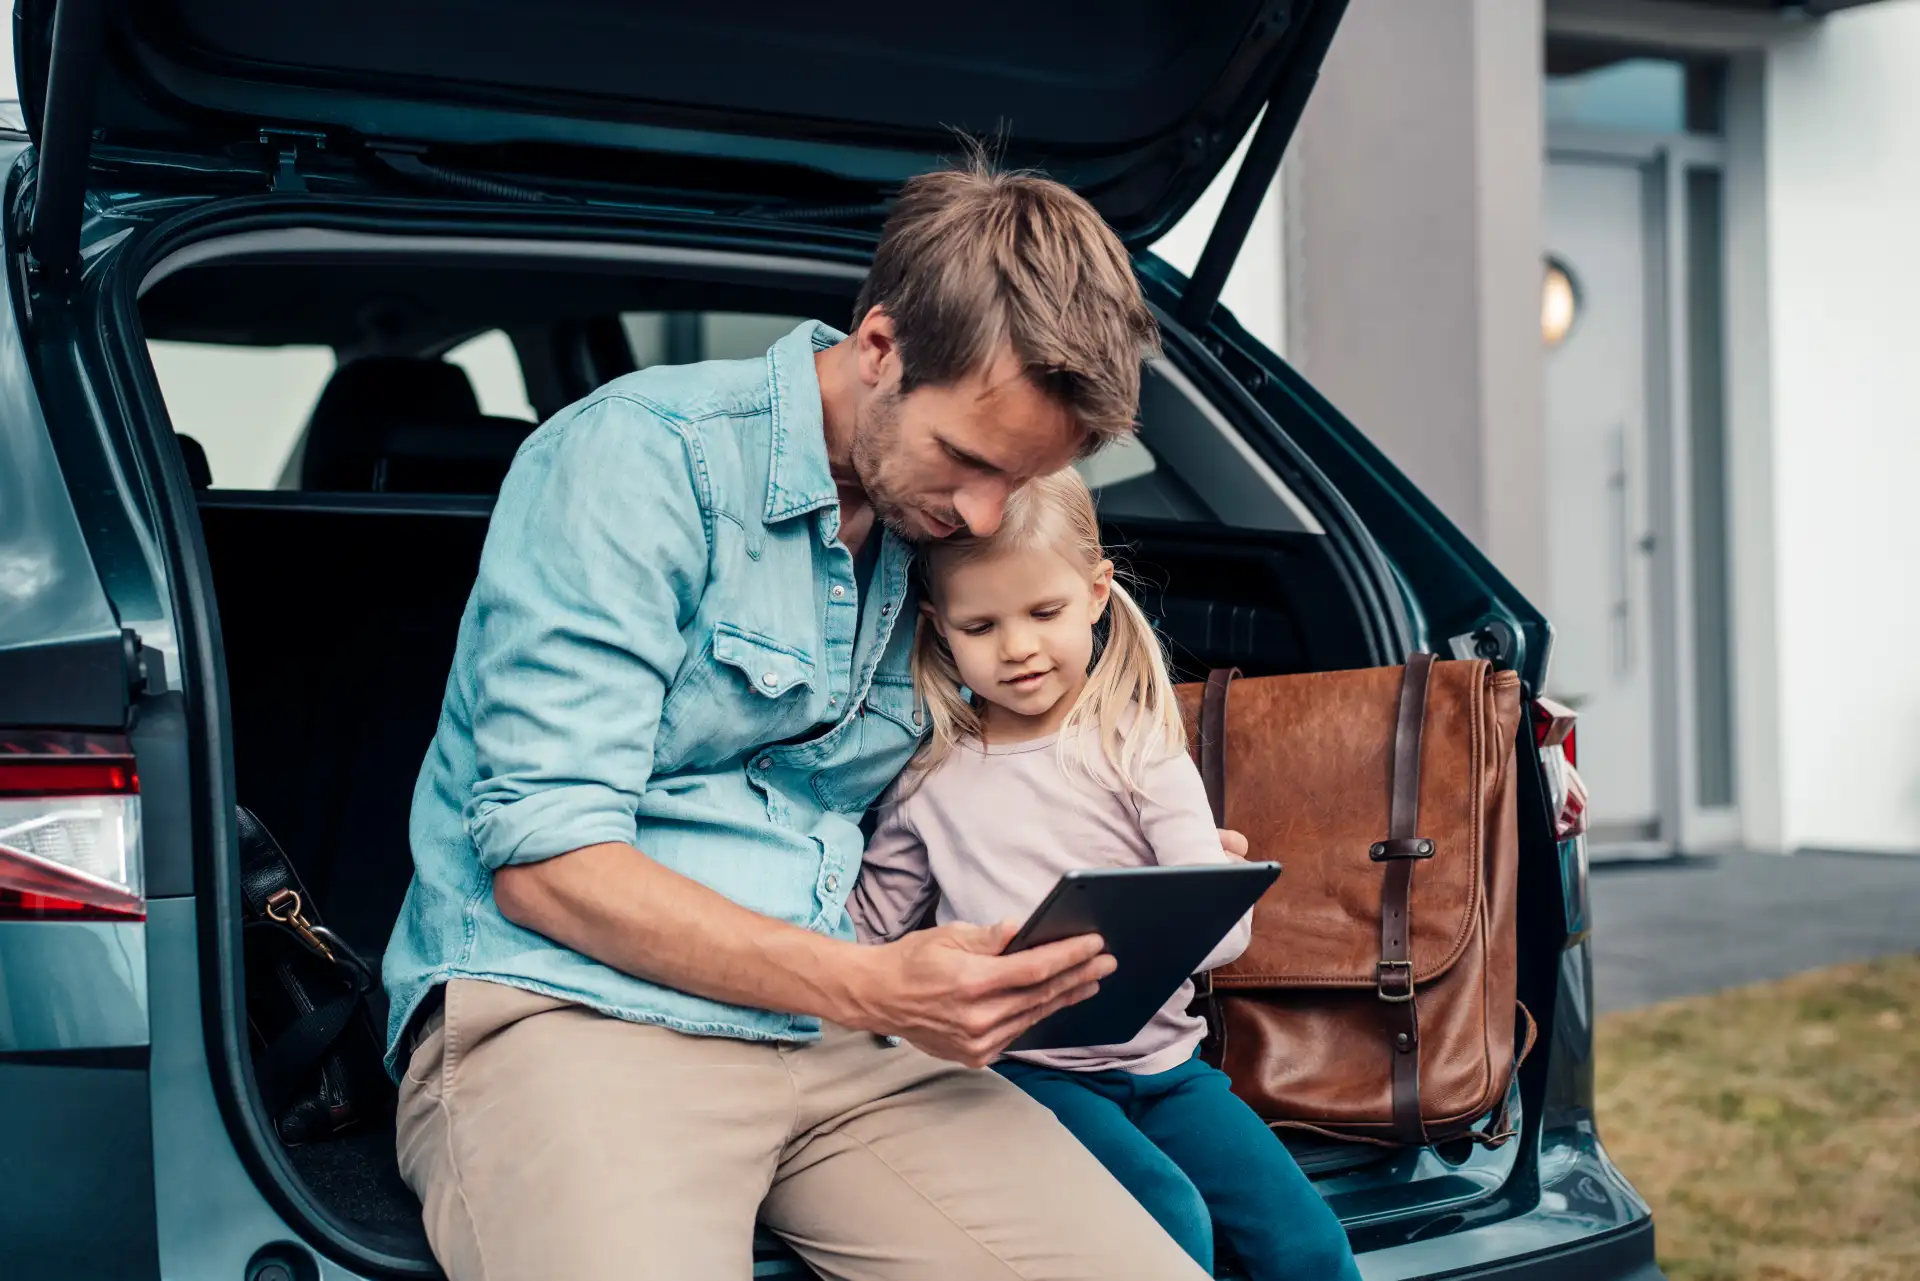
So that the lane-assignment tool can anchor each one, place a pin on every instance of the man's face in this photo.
(941, 459)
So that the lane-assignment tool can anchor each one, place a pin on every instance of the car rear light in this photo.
(69, 829)
(1553, 726)
(1553, 731)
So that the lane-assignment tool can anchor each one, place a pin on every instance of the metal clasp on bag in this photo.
(284, 907)
(1380, 971)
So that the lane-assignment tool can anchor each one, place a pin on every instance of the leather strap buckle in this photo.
(1404, 969)
(1401, 847)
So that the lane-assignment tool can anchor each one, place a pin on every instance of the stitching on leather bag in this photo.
(1486, 1001)
(1487, 1024)
(1486, 1096)
(1504, 762)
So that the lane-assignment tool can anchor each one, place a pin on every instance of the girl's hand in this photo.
(1233, 843)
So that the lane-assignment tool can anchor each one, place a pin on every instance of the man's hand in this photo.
(949, 992)
(1233, 843)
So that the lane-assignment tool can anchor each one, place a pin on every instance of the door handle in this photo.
(1621, 613)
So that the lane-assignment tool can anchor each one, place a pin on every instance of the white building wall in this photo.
(1843, 184)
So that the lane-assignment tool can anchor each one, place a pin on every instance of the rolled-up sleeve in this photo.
(594, 562)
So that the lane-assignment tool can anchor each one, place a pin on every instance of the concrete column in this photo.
(1412, 230)
(1843, 194)
(1752, 525)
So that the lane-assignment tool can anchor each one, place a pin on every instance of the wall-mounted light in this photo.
(1559, 302)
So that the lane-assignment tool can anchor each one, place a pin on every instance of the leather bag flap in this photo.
(1309, 772)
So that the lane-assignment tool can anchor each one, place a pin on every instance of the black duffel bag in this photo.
(312, 1003)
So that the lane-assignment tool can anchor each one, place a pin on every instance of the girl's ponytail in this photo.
(1127, 716)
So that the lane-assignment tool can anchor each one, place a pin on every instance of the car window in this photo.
(246, 406)
(684, 337)
(493, 367)
(1127, 480)
(1214, 478)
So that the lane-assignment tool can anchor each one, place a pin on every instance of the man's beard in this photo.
(876, 439)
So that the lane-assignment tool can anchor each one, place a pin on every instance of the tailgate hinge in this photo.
(1491, 638)
(283, 156)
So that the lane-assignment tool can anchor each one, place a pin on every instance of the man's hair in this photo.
(971, 259)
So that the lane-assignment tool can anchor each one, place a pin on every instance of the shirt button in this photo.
(833, 700)
(885, 610)
(770, 679)
(838, 592)
(765, 762)
(833, 882)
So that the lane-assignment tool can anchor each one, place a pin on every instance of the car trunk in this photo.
(338, 610)
(339, 623)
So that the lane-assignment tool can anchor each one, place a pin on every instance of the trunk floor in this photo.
(355, 1176)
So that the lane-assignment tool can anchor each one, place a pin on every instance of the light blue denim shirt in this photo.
(664, 647)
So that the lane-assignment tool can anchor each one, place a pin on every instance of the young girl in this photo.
(1050, 751)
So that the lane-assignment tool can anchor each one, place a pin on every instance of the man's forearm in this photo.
(616, 905)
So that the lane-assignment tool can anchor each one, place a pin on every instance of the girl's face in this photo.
(1020, 625)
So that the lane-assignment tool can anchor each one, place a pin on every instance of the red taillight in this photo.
(1553, 725)
(69, 830)
(60, 778)
(1553, 732)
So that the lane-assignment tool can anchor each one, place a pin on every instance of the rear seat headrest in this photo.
(394, 388)
(199, 470)
(470, 457)
(383, 415)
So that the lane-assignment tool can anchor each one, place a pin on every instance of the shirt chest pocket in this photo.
(882, 739)
(770, 669)
(746, 691)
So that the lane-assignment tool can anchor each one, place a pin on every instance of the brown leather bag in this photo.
(1376, 1001)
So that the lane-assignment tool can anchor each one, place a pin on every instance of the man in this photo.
(627, 1013)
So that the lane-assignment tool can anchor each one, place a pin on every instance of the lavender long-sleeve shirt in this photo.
(993, 828)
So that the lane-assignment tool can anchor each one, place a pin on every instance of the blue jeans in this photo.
(1197, 1157)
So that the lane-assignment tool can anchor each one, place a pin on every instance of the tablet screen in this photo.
(1159, 923)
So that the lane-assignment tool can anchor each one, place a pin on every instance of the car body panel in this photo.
(211, 1217)
(77, 1196)
(1139, 111)
(70, 986)
(61, 657)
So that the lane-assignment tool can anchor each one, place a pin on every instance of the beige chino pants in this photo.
(547, 1141)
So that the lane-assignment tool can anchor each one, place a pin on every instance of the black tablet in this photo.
(1159, 923)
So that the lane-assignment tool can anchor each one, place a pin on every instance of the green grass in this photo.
(1776, 1128)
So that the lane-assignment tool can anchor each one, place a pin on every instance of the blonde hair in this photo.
(972, 260)
(1126, 716)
